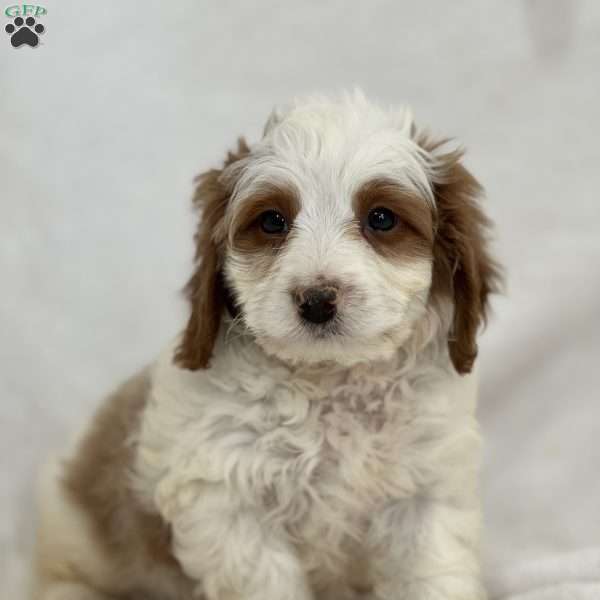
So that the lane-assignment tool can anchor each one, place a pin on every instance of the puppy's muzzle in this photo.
(317, 304)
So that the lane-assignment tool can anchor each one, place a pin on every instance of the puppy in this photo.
(311, 433)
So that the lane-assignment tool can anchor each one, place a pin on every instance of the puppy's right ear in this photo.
(205, 290)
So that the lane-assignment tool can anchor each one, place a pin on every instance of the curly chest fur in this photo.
(321, 466)
(343, 446)
(316, 455)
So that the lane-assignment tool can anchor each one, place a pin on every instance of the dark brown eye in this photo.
(273, 222)
(381, 219)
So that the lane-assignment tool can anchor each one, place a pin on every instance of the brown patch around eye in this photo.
(412, 232)
(247, 233)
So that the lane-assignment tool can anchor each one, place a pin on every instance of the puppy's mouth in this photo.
(323, 331)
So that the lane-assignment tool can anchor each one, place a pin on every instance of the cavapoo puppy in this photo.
(311, 433)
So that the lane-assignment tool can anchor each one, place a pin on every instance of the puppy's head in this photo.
(335, 236)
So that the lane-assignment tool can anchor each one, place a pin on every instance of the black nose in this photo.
(317, 304)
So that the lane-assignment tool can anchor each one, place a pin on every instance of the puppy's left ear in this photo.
(463, 268)
(206, 290)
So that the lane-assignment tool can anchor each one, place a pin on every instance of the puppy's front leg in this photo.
(222, 542)
(426, 549)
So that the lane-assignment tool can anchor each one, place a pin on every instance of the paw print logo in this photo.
(24, 32)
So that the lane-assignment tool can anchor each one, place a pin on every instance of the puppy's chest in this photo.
(345, 451)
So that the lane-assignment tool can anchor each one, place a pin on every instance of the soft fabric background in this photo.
(105, 124)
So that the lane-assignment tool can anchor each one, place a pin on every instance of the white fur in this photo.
(293, 457)
(326, 150)
(254, 458)
(292, 454)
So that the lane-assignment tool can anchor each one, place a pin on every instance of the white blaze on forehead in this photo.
(327, 148)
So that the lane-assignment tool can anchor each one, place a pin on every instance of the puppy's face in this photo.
(329, 250)
(325, 234)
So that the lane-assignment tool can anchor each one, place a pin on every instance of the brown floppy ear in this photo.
(205, 290)
(463, 269)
